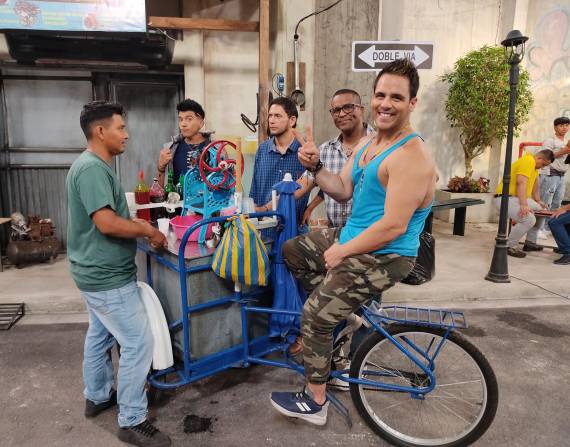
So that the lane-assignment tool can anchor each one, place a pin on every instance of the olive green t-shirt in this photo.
(97, 262)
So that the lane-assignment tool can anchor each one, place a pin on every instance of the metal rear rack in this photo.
(422, 316)
(10, 314)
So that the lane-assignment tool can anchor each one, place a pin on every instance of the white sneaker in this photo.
(541, 234)
(339, 384)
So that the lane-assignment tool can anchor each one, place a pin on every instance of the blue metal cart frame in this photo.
(254, 351)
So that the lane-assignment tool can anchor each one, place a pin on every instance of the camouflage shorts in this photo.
(336, 293)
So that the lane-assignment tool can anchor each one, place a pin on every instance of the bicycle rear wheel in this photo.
(456, 413)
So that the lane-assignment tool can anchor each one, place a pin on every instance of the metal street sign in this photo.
(373, 56)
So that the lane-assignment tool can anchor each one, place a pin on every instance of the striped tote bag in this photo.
(241, 255)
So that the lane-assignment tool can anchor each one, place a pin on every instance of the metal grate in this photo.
(424, 316)
(10, 314)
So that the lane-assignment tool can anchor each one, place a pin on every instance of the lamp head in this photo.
(514, 45)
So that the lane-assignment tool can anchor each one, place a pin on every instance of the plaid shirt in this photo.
(270, 167)
(334, 159)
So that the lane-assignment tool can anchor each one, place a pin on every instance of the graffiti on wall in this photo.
(550, 45)
(548, 64)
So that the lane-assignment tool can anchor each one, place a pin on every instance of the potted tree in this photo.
(477, 106)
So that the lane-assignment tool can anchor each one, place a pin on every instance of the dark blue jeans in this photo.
(560, 227)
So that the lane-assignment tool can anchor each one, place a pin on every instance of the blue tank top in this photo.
(369, 197)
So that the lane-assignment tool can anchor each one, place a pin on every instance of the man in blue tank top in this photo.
(391, 179)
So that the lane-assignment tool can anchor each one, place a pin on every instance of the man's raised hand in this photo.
(308, 153)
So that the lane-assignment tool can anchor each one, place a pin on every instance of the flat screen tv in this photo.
(73, 15)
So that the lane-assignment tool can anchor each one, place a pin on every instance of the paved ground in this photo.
(41, 401)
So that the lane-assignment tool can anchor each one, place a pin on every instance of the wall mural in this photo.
(548, 64)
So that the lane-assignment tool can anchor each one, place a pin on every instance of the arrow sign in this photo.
(372, 56)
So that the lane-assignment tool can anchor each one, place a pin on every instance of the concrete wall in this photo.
(458, 26)
(455, 27)
(336, 29)
(221, 68)
(548, 61)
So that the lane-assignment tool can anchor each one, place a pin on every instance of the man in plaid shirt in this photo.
(347, 113)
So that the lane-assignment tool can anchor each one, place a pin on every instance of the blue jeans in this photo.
(118, 314)
(560, 227)
(552, 189)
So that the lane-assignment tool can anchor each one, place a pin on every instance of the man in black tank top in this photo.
(343, 276)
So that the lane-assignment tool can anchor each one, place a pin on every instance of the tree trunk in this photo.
(468, 166)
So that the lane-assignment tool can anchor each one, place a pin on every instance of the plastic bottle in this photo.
(157, 195)
(142, 197)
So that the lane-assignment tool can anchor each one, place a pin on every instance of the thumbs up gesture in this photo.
(309, 154)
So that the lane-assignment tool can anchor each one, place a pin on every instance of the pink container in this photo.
(181, 223)
(228, 211)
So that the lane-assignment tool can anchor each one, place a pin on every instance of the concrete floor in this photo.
(42, 404)
(522, 327)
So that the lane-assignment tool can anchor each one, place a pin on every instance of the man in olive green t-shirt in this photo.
(101, 250)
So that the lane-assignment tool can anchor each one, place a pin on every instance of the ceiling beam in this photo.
(183, 23)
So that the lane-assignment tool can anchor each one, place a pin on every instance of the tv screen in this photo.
(73, 15)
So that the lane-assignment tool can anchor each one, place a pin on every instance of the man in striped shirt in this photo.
(347, 113)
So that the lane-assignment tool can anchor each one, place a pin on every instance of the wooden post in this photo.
(263, 69)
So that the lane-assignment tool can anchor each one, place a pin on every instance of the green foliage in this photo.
(478, 100)
(468, 184)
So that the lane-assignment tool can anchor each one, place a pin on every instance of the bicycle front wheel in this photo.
(456, 413)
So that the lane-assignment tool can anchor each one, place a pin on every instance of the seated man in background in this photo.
(524, 198)
(559, 224)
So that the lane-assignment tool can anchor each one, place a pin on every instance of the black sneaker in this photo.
(531, 246)
(557, 250)
(92, 409)
(144, 435)
(564, 260)
(515, 252)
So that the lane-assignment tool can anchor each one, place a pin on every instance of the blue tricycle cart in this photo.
(414, 379)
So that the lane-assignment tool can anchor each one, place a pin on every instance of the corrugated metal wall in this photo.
(41, 192)
(42, 136)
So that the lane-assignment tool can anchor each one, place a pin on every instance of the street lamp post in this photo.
(514, 52)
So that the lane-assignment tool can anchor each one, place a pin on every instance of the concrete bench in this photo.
(460, 206)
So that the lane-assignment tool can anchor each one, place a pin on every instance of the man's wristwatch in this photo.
(317, 168)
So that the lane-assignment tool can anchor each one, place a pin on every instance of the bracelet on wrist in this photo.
(317, 168)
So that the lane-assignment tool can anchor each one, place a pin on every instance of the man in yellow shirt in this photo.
(524, 198)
